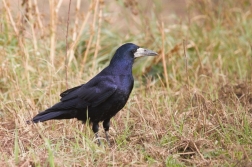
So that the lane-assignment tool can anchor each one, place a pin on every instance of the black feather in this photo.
(101, 97)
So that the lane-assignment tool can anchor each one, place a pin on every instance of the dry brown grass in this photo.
(193, 107)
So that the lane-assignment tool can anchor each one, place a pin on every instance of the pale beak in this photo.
(144, 52)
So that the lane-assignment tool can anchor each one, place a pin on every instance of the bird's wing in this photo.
(97, 93)
(68, 91)
(92, 94)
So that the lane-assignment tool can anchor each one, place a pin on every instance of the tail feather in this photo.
(48, 115)
(45, 117)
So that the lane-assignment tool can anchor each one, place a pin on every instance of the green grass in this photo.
(199, 115)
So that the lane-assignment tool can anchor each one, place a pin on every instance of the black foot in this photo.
(106, 124)
(95, 129)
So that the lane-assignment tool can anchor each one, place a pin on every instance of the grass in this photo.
(191, 106)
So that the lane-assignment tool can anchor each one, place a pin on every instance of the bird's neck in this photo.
(121, 68)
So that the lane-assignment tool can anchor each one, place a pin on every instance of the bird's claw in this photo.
(107, 138)
(98, 140)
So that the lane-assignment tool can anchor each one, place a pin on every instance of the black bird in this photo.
(103, 96)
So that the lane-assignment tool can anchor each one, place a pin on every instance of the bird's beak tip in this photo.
(155, 53)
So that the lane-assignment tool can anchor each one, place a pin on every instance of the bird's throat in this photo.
(122, 68)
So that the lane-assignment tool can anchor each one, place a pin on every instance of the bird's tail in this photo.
(41, 117)
(47, 115)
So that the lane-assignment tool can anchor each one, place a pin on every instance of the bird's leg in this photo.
(106, 124)
(95, 129)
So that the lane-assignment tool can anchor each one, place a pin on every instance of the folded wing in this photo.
(78, 98)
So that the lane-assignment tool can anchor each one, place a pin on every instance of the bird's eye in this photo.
(134, 51)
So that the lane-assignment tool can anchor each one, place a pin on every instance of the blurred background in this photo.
(96, 29)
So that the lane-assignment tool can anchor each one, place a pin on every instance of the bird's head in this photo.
(129, 51)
